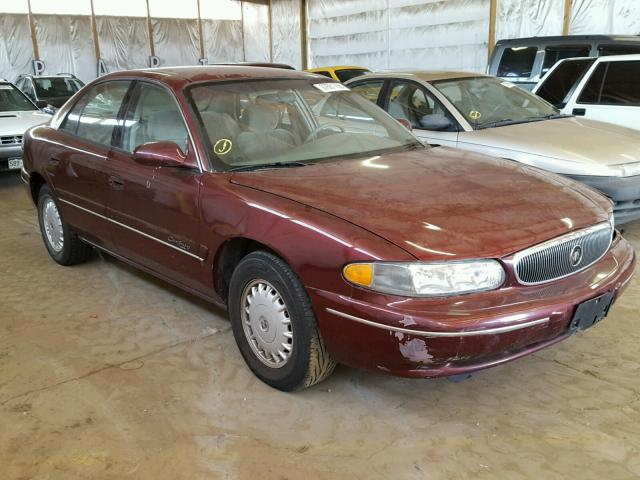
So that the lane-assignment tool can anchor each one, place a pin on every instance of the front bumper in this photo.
(7, 152)
(624, 191)
(455, 335)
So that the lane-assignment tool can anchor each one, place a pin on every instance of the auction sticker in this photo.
(330, 87)
(223, 146)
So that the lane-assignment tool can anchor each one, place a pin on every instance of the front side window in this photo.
(490, 102)
(95, 116)
(517, 62)
(552, 55)
(155, 117)
(613, 83)
(409, 101)
(249, 124)
(347, 74)
(50, 87)
(558, 85)
(13, 100)
(369, 90)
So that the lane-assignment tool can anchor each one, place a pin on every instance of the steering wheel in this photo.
(316, 131)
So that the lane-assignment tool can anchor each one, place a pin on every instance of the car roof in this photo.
(424, 75)
(570, 39)
(178, 77)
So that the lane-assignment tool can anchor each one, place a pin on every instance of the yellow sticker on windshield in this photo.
(223, 146)
(474, 115)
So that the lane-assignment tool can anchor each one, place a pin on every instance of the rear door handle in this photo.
(579, 111)
(54, 161)
(116, 182)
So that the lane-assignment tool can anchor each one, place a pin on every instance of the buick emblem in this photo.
(575, 257)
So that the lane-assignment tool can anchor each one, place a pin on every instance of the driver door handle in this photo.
(116, 182)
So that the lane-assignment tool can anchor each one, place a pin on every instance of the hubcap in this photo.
(52, 225)
(266, 323)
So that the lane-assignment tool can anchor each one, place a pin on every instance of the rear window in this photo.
(346, 75)
(557, 86)
(517, 62)
(605, 50)
(323, 72)
(613, 83)
(554, 54)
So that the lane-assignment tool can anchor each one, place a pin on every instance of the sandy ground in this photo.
(107, 373)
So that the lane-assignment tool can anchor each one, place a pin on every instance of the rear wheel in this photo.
(62, 243)
(274, 325)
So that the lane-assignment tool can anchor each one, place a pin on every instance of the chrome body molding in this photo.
(423, 333)
(146, 235)
(547, 256)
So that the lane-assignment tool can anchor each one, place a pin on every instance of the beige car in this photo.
(488, 115)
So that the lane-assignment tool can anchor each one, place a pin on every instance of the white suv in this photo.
(604, 88)
(17, 115)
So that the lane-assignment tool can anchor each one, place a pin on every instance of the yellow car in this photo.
(340, 73)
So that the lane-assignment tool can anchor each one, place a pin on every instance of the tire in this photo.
(64, 246)
(279, 308)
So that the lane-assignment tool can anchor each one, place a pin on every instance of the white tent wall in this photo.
(255, 18)
(16, 50)
(223, 40)
(285, 32)
(605, 16)
(66, 45)
(176, 41)
(124, 42)
(529, 18)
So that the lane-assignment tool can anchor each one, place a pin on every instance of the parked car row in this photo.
(325, 227)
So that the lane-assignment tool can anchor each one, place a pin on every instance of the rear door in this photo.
(76, 166)
(155, 210)
(610, 94)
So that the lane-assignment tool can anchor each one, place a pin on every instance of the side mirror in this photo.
(405, 123)
(159, 154)
(435, 121)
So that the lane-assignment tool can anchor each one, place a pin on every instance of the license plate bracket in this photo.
(591, 312)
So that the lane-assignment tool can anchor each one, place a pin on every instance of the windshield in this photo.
(488, 102)
(56, 86)
(13, 100)
(259, 123)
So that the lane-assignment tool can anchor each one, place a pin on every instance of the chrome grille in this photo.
(11, 140)
(563, 256)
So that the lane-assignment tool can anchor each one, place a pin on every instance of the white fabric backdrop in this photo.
(223, 40)
(256, 32)
(176, 41)
(124, 42)
(16, 50)
(66, 45)
(528, 18)
(605, 16)
(285, 32)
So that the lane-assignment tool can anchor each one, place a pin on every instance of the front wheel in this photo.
(62, 243)
(274, 325)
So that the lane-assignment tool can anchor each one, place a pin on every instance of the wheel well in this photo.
(228, 257)
(35, 184)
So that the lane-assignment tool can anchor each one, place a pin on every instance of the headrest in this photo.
(261, 118)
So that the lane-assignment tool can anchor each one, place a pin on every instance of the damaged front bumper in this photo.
(451, 336)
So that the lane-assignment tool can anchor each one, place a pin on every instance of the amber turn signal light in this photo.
(359, 273)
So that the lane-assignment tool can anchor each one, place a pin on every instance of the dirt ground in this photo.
(107, 373)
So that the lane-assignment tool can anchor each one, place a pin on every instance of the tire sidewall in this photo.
(261, 265)
(63, 255)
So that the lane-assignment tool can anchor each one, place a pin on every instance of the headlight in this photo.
(426, 279)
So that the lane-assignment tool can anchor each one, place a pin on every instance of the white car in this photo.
(488, 115)
(604, 88)
(17, 115)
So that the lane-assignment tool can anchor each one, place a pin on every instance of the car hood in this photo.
(571, 139)
(440, 203)
(17, 123)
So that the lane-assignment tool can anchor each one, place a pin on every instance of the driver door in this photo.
(410, 101)
(156, 209)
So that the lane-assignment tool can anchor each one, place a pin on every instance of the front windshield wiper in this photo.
(264, 166)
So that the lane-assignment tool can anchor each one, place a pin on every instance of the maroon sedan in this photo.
(327, 230)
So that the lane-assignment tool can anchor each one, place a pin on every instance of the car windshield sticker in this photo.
(508, 84)
(331, 87)
(474, 115)
(223, 146)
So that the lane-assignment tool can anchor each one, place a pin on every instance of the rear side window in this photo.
(557, 86)
(552, 55)
(613, 83)
(517, 62)
(605, 50)
(95, 116)
(369, 90)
